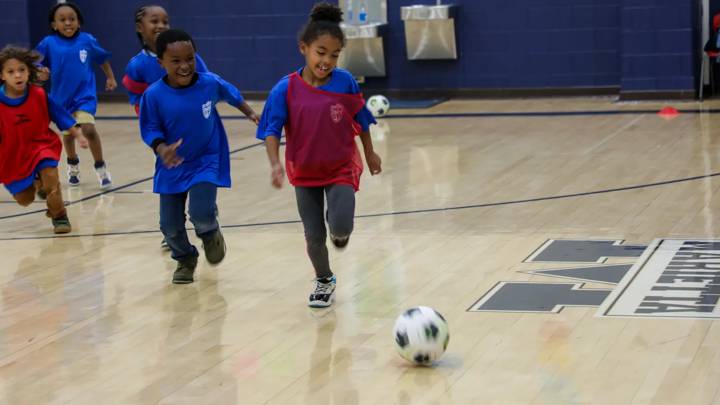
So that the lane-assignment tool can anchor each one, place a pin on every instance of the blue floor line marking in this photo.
(114, 189)
(487, 114)
(420, 211)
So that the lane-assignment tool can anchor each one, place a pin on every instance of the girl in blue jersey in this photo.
(322, 110)
(68, 58)
(179, 121)
(144, 69)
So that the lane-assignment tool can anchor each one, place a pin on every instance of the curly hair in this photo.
(24, 55)
(325, 18)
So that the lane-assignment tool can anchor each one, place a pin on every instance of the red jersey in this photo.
(26, 137)
(320, 136)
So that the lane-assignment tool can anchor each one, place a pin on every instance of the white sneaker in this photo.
(103, 176)
(74, 175)
(323, 294)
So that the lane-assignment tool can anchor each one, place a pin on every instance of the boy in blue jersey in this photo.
(69, 54)
(179, 121)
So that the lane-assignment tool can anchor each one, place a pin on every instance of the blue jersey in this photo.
(71, 69)
(144, 70)
(275, 112)
(169, 114)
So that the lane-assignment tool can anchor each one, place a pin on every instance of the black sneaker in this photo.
(42, 194)
(340, 243)
(61, 225)
(323, 293)
(214, 247)
(185, 270)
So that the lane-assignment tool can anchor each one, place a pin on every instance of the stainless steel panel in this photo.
(420, 12)
(364, 57)
(430, 32)
(361, 31)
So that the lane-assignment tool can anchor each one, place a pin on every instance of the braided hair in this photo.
(139, 15)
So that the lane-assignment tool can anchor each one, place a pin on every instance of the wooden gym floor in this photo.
(472, 192)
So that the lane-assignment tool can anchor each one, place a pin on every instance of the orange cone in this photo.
(668, 113)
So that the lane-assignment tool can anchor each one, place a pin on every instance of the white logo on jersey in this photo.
(83, 55)
(336, 112)
(206, 108)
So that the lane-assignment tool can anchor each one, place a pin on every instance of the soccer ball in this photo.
(378, 105)
(421, 335)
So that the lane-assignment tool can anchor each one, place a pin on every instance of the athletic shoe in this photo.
(214, 247)
(185, 271)
(74, 175)
(61, 225)
(324, 293)
(103, 176)
(340, 243)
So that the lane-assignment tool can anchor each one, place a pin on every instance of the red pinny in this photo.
(26, 137)
(320, 134)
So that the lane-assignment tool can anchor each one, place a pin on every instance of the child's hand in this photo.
(43, 74)
(374, 162)
(254, 118)
(79, 137)
(110, 84)
(278, 175)
(168, 154)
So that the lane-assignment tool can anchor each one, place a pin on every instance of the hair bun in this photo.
(326, 12)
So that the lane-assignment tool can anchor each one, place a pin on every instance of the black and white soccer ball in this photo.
(378, 105)
(421, 335)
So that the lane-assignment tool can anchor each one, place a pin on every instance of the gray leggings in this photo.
(340, 213)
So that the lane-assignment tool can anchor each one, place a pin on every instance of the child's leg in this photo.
(25, 197)
(341, 212)
(94, 141)
(50, 185)
(203, 214)
(69, 144)
(202, 209)
(172, 225)
(311, 204)
(87, 124)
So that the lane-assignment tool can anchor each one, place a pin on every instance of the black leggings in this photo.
(340, 214)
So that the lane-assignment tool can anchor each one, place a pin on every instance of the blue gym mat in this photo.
(398, 104)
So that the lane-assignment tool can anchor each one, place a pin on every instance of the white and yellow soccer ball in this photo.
(378, 105)
(421, 335)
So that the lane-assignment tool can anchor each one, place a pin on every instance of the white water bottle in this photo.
(362, 15)
(350, 12)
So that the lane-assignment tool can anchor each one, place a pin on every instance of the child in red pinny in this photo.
(29, 149)
(322, 110)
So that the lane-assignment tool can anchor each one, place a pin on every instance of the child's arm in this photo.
(272, 146)
(65, 121)
(232, 96)
(78, 135)
(249, 112)
(153, 134)
(110, 83)
(373, 159)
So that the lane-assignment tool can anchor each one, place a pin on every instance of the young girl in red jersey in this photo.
(322, 110)
(29, 149)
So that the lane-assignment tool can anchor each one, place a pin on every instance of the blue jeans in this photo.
(203, 214)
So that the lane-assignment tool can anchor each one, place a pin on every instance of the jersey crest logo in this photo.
(206, 108)
(83, 55)
(336, 112)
